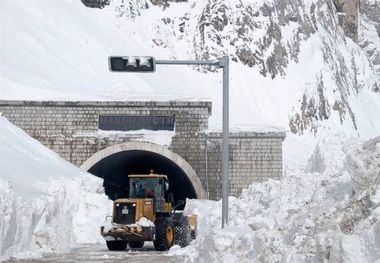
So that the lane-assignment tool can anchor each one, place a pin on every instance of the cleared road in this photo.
(99, 253)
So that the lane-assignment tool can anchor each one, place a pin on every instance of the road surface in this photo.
(100, 253)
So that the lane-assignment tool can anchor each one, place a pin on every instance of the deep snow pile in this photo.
(46, 203)
(330, 214)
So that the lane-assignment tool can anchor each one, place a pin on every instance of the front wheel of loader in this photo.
(164, 234)
(117, 245)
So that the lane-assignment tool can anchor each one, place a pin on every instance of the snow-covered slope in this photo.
(329, 214)
(46, 203)
(59, 50)
(291, 67)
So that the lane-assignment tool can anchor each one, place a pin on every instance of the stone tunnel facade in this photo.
(75, 131)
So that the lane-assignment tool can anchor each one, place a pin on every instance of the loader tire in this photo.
(164, 234)
(116, 245)
(182, 236)
(136, 244)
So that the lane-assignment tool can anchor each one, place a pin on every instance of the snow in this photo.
(375, 199)
(46, 203)
(63, 54)
(58, 50)
(163, 138)
(143, 221)
(373, 2)
(17, 148)
(306, 216)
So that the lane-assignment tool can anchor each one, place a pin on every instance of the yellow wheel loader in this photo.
(148, 215)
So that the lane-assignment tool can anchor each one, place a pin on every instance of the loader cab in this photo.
(149, 186)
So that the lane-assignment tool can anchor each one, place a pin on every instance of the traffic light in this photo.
(132, 64)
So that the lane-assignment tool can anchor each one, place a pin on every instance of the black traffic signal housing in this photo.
(132, 64)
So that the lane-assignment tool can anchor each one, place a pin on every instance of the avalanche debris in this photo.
(326, 216)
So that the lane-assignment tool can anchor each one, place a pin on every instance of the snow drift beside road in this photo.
(46, 203)
(332, 213)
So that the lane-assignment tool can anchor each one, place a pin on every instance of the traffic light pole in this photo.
(225, 146)
(220, 63)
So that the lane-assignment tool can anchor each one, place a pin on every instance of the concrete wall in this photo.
(67, 128)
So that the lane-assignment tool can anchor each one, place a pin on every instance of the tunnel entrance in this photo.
(115, 168)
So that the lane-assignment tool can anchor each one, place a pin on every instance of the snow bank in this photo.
(46, 203)
(163, 138)
(330, 215)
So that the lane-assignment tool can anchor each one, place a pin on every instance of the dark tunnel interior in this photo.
(115, 169)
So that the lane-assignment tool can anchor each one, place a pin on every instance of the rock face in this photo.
(369, 37)
(348, 17)
(270, 36)
(251, 34)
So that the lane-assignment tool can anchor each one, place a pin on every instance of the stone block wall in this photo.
(253, 156)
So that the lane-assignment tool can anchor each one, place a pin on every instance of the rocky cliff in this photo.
(269, 36)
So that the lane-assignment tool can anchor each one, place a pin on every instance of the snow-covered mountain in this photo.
(288, 41)
(291, 64)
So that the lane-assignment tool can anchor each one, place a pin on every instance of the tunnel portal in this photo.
(73, 129)
(114, 169)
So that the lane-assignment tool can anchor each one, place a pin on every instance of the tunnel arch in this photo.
(148, 150)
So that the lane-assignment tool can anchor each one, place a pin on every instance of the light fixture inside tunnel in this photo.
(115, 169)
